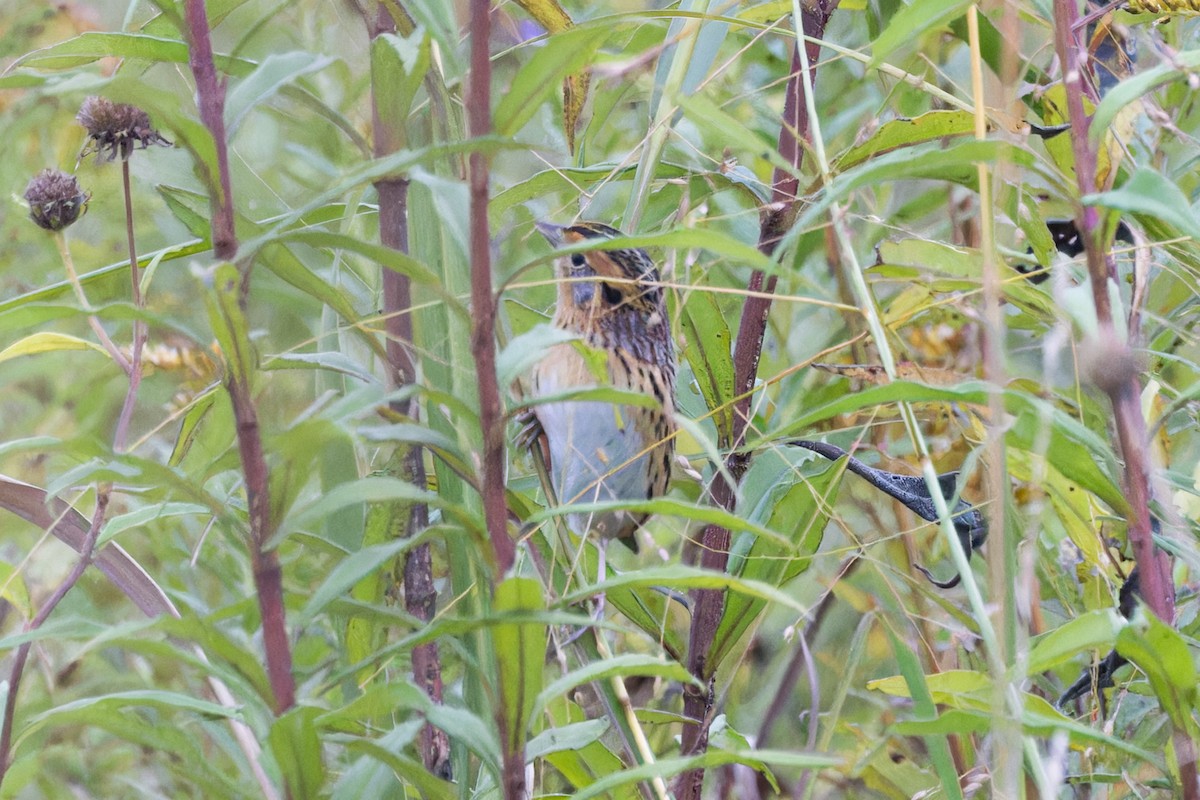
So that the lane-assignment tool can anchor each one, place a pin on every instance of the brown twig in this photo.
(268, 576)
(708, 604)
(1123, 387)
(483, 349)
(420, 595)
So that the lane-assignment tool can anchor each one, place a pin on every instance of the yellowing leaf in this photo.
(551, 16)
(45, 343)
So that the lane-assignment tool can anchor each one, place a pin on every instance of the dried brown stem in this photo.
(268, 577)
(708, 604)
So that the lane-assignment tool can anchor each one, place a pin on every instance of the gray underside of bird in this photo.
(596, 455)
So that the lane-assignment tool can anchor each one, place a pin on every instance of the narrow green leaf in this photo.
(913, 21)
(897, 133)
(398, 66)
(619, 665)
(1151, 194)
(924, 709)
(268, 78)
(800, 512)
(708, 351)
(47, 342)
(560, 55)
(297, 749)
(1095, 630)
(350, 571)
(520, 656)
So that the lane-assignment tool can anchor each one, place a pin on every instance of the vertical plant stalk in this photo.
(483, 298)
(775, 219)
(268, 576)
(1124, 387)
(139, 327)
(483, 349)
(1123, 390)
(420, 595)
(1006, 666)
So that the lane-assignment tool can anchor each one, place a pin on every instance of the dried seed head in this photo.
(55, 199)
(115, 130)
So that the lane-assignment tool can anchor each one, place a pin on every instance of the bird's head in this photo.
(599, 283)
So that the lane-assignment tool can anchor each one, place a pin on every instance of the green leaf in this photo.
(134, 519)
(47, 342)
(350, 571)
(897, 133)
(708, 350)
(399, 64)
(272, 74)
(527, 349)
(1129, 90)
(333, 361)
(565, 738)
(914, 683)
(1094, 630)
(1159, 651)
(1078, 453)
(371, 489)
(297, 749)
(618, 665)
(800, 511)
(14, 591)
(560, 55)
(520, 656)
(911, 22)
(1149, 193)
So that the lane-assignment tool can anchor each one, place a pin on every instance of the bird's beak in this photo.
(552, 232)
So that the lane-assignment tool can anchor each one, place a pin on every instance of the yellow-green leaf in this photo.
(47, 343)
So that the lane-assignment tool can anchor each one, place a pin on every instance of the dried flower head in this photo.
(116, 129)
(55, 199)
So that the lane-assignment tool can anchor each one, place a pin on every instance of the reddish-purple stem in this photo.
(1123, 389)
(210, 94)
(420, 594)
(268, 577)
(483, 348)
(709, 604)
(483, 299)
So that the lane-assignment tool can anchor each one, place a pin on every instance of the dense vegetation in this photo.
(284, 438)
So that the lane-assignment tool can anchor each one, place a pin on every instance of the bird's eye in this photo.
(577, 260)
(612, 295)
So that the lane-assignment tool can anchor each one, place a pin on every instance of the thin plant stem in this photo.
(1123, 386)
(483, 297)
(22, 654)
(420, 594)
(139, 326)
(64, 252)
(103, 491)
(483, 349)
(268, 575)
(708, 604)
